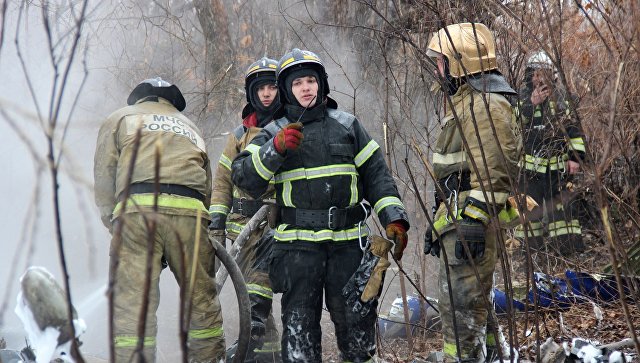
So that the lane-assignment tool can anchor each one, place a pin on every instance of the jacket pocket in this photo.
(342, 152)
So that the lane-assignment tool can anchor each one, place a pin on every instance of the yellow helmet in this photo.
(468, 52)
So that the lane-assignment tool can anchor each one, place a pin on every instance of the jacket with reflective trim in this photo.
(223, 189)
(545, 141)
(337, 164)
(450, 156)
(165, 132)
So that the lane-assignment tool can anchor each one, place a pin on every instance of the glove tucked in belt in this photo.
(472, 229)
(473, 233)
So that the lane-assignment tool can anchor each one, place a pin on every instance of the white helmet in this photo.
(540, 60)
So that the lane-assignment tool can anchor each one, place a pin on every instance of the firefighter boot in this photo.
(264, 345)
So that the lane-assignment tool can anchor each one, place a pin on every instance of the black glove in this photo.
(430, 246)
(473, 232)
(356, 284)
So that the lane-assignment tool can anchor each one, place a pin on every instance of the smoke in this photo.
(122, 43)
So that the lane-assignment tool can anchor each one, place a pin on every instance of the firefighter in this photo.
(475, 163)
(324, 164)
(553, 148)
(231, 209)
(166, 219)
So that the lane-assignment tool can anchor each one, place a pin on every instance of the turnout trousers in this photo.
(253, 261)
(302, 271)
(474, 323)
(175, 238)
(555, 218)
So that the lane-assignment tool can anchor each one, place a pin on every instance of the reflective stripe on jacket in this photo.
(165, 133)
(551, 136)
(496, 156)
(337, 165)
(223, 189)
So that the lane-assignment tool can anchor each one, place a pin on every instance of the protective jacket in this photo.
(176, 141)
(550, 135)
(319, 188)
(230, 206)
(480, 114)
(337, 166)
(496, 157)
(173, 143)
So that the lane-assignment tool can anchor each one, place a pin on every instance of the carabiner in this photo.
(364, 246)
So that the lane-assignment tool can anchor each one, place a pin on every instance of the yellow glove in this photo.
(379, 247)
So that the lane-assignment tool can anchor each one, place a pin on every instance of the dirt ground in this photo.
(599, 321)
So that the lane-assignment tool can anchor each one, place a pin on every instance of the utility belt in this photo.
(181, 190)
(453, 184)
(332, 218)
(246, 207)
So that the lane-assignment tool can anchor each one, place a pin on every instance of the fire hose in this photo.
(228, 261)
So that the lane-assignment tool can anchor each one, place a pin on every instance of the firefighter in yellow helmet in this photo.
(475, 164)
(171, 206)
(231, 209)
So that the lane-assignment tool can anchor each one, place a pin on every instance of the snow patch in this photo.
(44, 342)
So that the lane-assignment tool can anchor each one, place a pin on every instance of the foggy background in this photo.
(374, 55)
(120, 44)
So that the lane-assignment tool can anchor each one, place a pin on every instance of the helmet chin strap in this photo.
(306, 108)
(450, 84)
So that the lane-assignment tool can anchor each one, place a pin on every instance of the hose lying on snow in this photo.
(243, 299)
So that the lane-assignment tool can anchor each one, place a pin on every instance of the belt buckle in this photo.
(240, 202)
(330, 222)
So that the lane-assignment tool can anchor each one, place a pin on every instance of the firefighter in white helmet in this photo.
(170, 185)
(475, 164)
(553, 148)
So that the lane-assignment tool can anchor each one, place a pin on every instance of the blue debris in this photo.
(500, 302)
(595, 286)
(552, 292)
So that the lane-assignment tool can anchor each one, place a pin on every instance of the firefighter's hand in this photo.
(473, 232)
(430, 246)
(288, 138)
(397, 232)
(573, 167)
(540, 94)
(218, 235)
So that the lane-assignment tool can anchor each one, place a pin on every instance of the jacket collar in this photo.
(296, 113)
